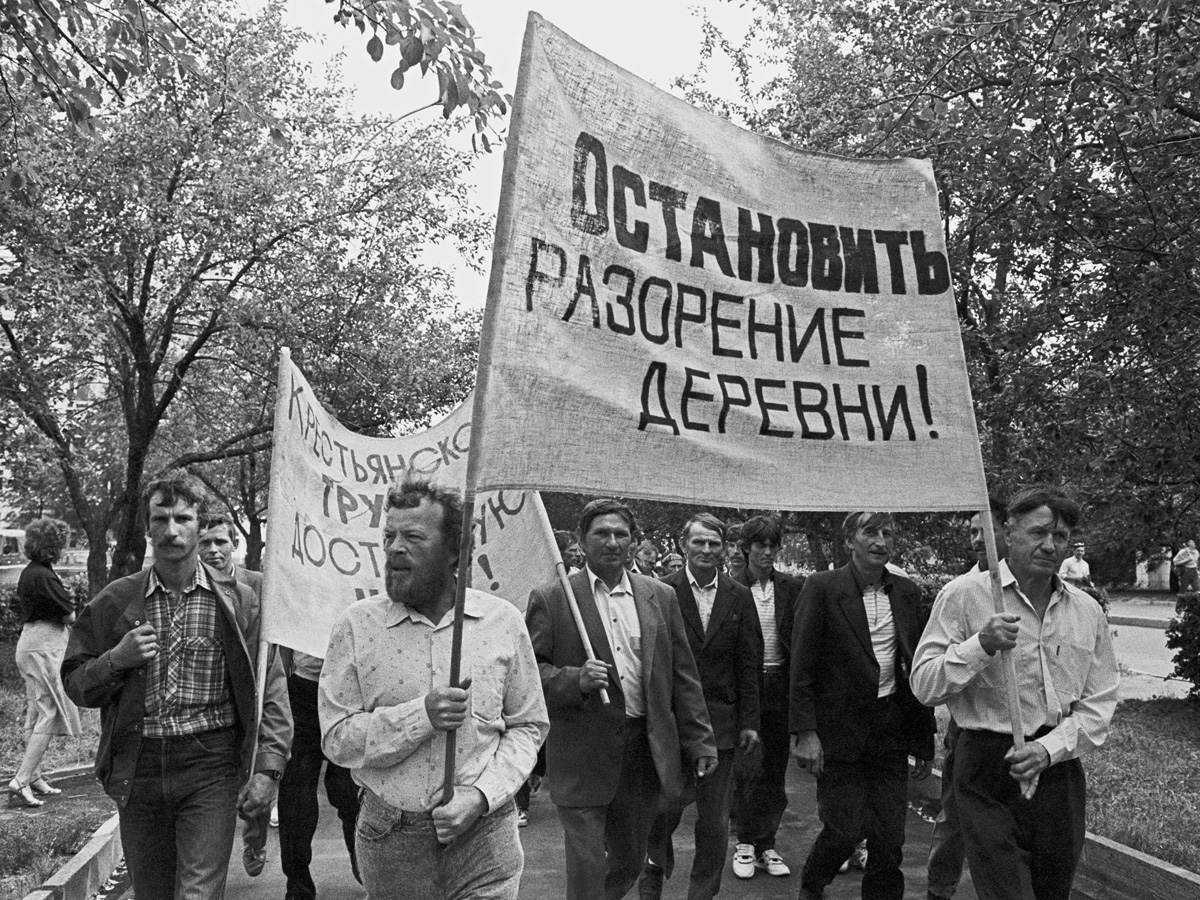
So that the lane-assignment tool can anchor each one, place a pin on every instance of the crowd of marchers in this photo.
(634, 695)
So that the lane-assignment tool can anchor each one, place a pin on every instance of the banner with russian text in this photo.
(327, 505)
(683, 310)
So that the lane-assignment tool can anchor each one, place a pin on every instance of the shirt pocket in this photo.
(1069, 665)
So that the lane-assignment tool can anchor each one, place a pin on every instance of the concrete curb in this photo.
(86, 871)
(1139, 622)
(1107, 870)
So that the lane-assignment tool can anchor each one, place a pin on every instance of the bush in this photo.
(1183, 636)
(11, 616)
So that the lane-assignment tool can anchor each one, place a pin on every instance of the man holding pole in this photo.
(386, 708)
(1020, 801)
(624, 698)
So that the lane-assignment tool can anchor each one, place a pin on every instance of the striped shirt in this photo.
(187, 681)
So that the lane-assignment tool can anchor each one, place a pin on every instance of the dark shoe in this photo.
(650, 883)
(254, 860)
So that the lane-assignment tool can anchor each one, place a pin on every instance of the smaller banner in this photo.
(327, 508)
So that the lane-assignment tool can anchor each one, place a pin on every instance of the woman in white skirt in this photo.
(49, 611)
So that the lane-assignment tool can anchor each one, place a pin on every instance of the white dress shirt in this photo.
(618, 612)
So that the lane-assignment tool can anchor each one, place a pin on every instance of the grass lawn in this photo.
(1144, 783)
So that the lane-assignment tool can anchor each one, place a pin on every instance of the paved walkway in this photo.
(544, 879)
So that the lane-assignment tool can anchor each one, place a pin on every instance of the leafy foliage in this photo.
(1183, 636)
(159, 265)
(81, 55)
(1065, 139)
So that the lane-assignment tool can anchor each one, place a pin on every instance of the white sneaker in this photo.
(772, 862)
(858, 859)
(743, 861)
(274, 815)
(845, 867)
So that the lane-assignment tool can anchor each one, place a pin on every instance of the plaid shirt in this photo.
(187, 682)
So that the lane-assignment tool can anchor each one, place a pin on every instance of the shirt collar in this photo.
(696, 584)
(394, 613)
(623, 587)
(886, 579)
(199, 580)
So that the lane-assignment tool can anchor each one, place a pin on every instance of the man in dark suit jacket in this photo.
(218, 543)
(854, 716)
(609, 763)
(762, 798)
(723, 631)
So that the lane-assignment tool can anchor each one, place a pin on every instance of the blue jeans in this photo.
(399, 856)
(177, 828)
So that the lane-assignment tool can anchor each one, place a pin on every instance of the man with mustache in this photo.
(1020, 847)
(386, 705)
(170, 655)
(609, 763)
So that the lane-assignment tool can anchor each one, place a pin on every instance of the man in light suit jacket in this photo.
(609, 763)
(723, 631)
(852, 711)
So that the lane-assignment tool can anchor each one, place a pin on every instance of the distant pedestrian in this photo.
(48, 611)
(1186, 562)
(1075, 569)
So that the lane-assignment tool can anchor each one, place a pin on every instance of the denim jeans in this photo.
(399, 856)
(177, 828)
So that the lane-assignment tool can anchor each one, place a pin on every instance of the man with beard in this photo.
(386, 705)
(1020, 846)
(610, 762)
(170, 655)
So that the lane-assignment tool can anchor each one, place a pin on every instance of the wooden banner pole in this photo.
(561, 568)
(1008, 661)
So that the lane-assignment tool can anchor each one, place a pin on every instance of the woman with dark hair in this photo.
(48, 611)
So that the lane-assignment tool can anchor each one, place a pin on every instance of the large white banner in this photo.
(683, 310)
(328, 502)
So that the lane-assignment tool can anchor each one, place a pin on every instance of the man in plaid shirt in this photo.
(170, 655)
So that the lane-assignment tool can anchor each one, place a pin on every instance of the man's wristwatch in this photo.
(273, 774)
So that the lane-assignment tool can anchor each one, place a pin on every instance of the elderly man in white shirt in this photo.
(1067, 682)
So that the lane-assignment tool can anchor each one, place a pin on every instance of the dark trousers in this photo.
(606, 845)
(177, 828)
(711, 796)
(867, 797)
(298, 807)
(946, 850)
(1017, 848)
(763, 797)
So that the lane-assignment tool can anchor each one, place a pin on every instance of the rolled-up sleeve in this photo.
(526, 722)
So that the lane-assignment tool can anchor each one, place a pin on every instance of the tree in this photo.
(1065, 139)
(158, 265)
(80, 55)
